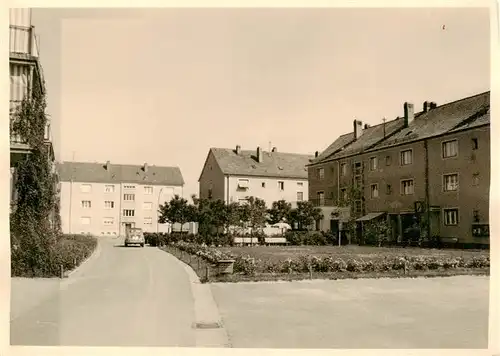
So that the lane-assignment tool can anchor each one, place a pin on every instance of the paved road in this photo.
(124, 297)
(386, 313)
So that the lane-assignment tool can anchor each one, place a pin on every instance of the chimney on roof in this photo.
(107, 165)
(316, 154)
(274, 149)
(409, 114)
(433, 105)
(366, 126)
(358, 129)
(145, 167)
(238, 149)
(259, 155)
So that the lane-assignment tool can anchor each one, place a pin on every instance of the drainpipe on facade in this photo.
(427, 194)
(227, 190)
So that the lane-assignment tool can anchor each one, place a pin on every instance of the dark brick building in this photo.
(433, 164)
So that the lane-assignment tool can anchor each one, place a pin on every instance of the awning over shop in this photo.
(370, 216)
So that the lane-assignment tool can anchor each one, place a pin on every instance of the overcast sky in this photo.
(163, 86)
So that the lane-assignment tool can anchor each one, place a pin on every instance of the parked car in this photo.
(134, 236)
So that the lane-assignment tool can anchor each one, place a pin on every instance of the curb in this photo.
(95, 254)
(208, 325)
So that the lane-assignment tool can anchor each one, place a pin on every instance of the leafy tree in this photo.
(218, 211)
(34, 224)
(203, 215)
(176, 211)
(257, 214)
(377, 231)
(353, 194)
(231, 216)
(305, 214)
(279, 212)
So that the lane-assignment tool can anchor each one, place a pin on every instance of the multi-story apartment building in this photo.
(26, 79)
(233, 175)
(104, 199)
(433, 165)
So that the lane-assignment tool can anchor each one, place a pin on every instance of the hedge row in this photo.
(162, 238)
(68, 250)
(303, 264)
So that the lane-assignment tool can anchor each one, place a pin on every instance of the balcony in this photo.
(23, 43)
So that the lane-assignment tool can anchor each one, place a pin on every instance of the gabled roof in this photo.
(119, 173)
(370, 137)
(450, 117)
(337, 145)
(274, 164)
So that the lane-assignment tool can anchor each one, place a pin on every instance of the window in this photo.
(388, 189)
(343, 169)
(450, 182)
(148, 190)
(108, 221)
(406, 157)
(300, 196)
(148, 221)
(85, 188)
(109, 189)
(407, 187)
(109, 204)
(357, 168)
(129, 197)
(358, 207)
(373, 163)
(475, 144)
(343, 194)
(86, 204)
(243, 183)
(357, 181)
(147, 206)
(321, 198)
(281, 185)
(126, 186)
(321, 173)
(450, 217)
(374, 190)
(475, 179)
(263, 184)
(388, 160)
(210, 193)
(300, 184)
(128, 212)
(85, 220)
(450, 149)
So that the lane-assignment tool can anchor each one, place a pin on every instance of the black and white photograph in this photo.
(250, 177)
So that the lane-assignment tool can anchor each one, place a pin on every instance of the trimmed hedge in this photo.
(311, 238)
(69, 251)
(163, 238)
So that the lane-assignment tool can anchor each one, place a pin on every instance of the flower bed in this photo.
(303, 264)
(209, 254)
(272, 263)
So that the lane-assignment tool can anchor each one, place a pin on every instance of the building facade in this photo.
(26, 80)
(104, 199)
(432, 165)
(233, 175)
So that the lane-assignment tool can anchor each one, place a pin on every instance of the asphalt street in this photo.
(125, 297)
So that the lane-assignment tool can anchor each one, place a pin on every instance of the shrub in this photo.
(245, 265)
